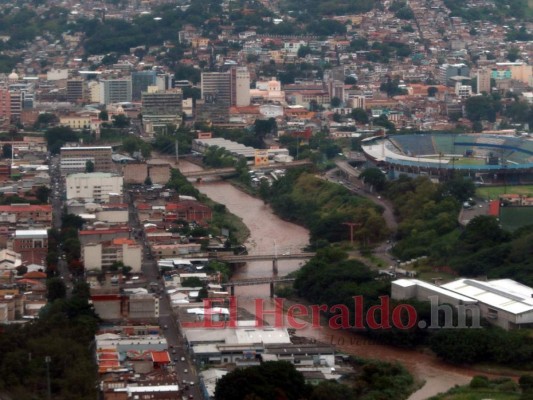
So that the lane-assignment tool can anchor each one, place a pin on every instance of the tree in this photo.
(513, 54)
(303, 51)
(7, 150)
(328, 390)
(103, 115)
(391, 87)
(45, 120)
(270, 380)
(526, 383)
(192, 282)
(56, 289)
(405, 13)
(432, 91)
(89, 166)
(374, 177)
(335, 102)
(482, 108)
(350, 80)
(42, 194)
(57, 136)
(459, 187)
(360, 115)
(120, 121)
(148, 181)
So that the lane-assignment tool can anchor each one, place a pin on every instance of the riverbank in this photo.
(268, 233)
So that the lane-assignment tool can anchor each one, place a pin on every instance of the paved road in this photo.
(356, 186)
(56, 199)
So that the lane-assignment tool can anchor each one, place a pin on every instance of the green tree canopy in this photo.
(272, 379)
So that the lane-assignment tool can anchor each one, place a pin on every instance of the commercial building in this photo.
(140, 81)
(503, 302)
(161, 108)
(112, 306)
(231, 88)
(115, 91)
(96, 187)
(75, 90)
(103, 255)
(74, 159)
(447, 71)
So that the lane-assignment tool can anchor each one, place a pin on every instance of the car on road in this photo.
(185, 371)
(182, 358)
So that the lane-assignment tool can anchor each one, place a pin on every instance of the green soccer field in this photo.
(513, 218)
(469, 161)
(493, 192)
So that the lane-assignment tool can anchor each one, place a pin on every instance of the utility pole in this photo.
(352, 225)
(47, 361)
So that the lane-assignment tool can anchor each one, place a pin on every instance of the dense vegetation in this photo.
(481, 387)
(518, 9)
(315, 8)
(63, 332)
(373, 380)
(324, 207)
(427, 214)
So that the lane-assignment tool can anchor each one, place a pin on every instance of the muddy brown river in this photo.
(270, 234)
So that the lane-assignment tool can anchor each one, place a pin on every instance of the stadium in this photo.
(487, 158)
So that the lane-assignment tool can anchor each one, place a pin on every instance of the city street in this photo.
(183, 365)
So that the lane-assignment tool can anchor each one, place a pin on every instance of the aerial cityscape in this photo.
(266, 199)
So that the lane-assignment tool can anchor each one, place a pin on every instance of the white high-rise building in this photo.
(241, 82)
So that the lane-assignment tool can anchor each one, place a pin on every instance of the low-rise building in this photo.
(74, 159)
(31, 244)
(35, 215)
(95, 186)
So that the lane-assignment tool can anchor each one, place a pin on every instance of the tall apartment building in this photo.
(140, 81)
(231, 88)
(483, 80)
(161, 108)
(75, 90)
(115, 91)
(74, 159)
